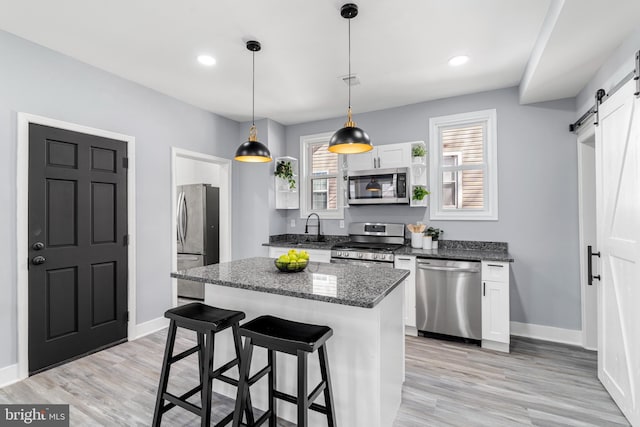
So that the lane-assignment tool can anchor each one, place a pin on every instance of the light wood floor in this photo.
(447, 384)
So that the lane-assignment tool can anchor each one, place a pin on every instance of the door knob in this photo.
(38, 260)
(37, 246)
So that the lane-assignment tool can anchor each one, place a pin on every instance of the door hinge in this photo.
(125, 162)
(126, 240)
(126, 316)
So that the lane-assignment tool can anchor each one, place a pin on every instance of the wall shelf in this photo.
(286, 194)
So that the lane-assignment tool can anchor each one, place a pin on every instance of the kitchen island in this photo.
(363, 306)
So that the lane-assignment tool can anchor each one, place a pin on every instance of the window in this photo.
(320, 189)
(463, 166)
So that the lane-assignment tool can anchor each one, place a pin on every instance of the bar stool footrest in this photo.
(185, 396)
(176, 401)
(228, 380)
(292, 399)
(264, 371)
(184, 354)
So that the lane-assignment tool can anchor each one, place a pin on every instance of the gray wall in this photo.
(254, 213)
(615, 68)
(537, 181)
(37, 80)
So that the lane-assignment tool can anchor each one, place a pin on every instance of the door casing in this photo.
(225, 218)
(587, 234)
(22, 233)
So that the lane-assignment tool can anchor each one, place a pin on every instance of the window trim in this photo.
(305, 180)
(490, 212)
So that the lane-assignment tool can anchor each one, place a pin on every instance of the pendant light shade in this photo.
(350, 139)
(253, 151)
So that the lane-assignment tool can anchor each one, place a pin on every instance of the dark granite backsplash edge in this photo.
(473, 245)
(330, 238)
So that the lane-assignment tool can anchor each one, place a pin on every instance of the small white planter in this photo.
(416, 240)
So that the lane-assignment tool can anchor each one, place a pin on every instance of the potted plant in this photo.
(284, 170)
(435, 236)
(419, 192)
(418, 152)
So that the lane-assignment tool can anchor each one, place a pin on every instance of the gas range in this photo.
(369, 242)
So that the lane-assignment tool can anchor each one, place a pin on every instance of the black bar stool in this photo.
(206, 321)
(290, 337)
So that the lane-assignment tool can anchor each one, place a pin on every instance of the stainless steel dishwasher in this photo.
(449, 298)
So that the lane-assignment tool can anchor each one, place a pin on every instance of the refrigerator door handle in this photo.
(185, 218)
(179, 218)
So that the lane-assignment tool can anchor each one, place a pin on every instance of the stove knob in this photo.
(360, 255)
(345, 254)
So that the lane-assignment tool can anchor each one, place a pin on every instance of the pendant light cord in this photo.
(349, 78)
(253, 90)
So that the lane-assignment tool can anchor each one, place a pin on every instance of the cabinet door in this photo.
(362, 161)
(495, 311)
(394, 155)
(408, 263)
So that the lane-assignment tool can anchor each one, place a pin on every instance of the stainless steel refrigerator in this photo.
(198, 220)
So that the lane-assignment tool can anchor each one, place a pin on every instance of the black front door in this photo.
(77, 244)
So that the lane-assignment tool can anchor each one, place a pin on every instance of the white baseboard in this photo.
(9, 375)
(410, 330)
(146, 328)
(547, 333)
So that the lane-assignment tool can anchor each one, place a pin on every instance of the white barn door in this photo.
(618, 217)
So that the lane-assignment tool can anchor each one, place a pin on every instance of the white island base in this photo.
(366, 354)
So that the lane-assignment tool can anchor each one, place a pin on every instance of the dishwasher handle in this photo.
(452, 269)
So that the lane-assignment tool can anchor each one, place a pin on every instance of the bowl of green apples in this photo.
(293, 261)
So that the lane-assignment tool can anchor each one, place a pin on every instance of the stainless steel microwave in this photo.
(378, 187)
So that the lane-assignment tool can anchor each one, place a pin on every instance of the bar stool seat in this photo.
(206, 321)
(201, 317)
(286, 336)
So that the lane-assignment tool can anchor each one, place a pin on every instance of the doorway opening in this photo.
(588, 234)
(190, 167)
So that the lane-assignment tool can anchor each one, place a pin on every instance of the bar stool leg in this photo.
(271, 356)
(237, 342)
(201, 352)
(328, 394)
(243, 400)
(205, 417)
(303, 397)
(164, 374)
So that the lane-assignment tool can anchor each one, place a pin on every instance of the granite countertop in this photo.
(304, 241)
(462, 250)
(335, 283)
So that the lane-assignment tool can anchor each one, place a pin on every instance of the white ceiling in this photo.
(400, 48)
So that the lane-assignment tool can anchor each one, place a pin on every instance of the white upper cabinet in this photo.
(382, 157)
(362, 161)
(394, 155)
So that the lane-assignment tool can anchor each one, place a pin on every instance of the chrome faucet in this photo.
(306, 226)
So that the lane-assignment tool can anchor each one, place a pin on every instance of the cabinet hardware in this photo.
(495, 265)
(484, 289)
(590, 255)
(404, 259)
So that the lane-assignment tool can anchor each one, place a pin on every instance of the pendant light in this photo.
(252, 150)
(350, 139)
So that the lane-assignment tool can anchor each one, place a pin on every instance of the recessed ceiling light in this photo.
(458, 60)
(207, 60)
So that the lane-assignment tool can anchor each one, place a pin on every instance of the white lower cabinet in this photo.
(408, 263)
(495, 306)
(317, 255)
